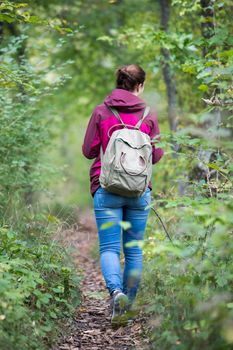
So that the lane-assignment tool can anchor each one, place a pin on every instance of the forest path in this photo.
(91, 328)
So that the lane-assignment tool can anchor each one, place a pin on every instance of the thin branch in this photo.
(215, 101)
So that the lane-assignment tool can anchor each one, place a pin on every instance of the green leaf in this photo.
(203, 87)
(53, 315)
(125, 225)
(214, 166)
(7, 18)
(106, 225)
(52, 218)
(105, 38)
(135, 243)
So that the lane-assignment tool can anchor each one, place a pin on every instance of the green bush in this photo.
(187, 287)
(38, 288)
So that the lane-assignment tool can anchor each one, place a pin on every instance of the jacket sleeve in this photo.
(92, 141)
(157, 152)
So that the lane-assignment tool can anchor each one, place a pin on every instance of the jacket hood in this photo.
(124, 101)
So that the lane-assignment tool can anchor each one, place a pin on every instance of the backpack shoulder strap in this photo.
(145, 114)
(117, 115)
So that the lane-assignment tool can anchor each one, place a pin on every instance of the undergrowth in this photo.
(187, 286)
(39, 286)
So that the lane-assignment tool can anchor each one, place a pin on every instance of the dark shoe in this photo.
(120, 304)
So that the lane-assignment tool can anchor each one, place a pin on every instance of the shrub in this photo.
(187, 285)
(38, 288)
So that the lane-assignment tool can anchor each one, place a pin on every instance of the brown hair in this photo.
(129, 76)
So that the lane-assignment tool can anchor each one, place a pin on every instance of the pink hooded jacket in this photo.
(130, 108)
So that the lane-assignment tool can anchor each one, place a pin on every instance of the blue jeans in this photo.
(110, 210)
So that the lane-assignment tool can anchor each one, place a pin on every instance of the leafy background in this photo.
(57, 62)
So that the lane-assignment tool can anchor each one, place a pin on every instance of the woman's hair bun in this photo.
(129, 76)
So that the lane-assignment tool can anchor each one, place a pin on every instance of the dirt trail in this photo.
(91, 328)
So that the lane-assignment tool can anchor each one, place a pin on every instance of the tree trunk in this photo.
(169, 77)
(201, 171)
(207, 23)
(170, 82)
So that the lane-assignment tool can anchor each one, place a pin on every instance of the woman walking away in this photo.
(119, 137)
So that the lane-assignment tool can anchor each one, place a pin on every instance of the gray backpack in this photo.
(126, 165)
